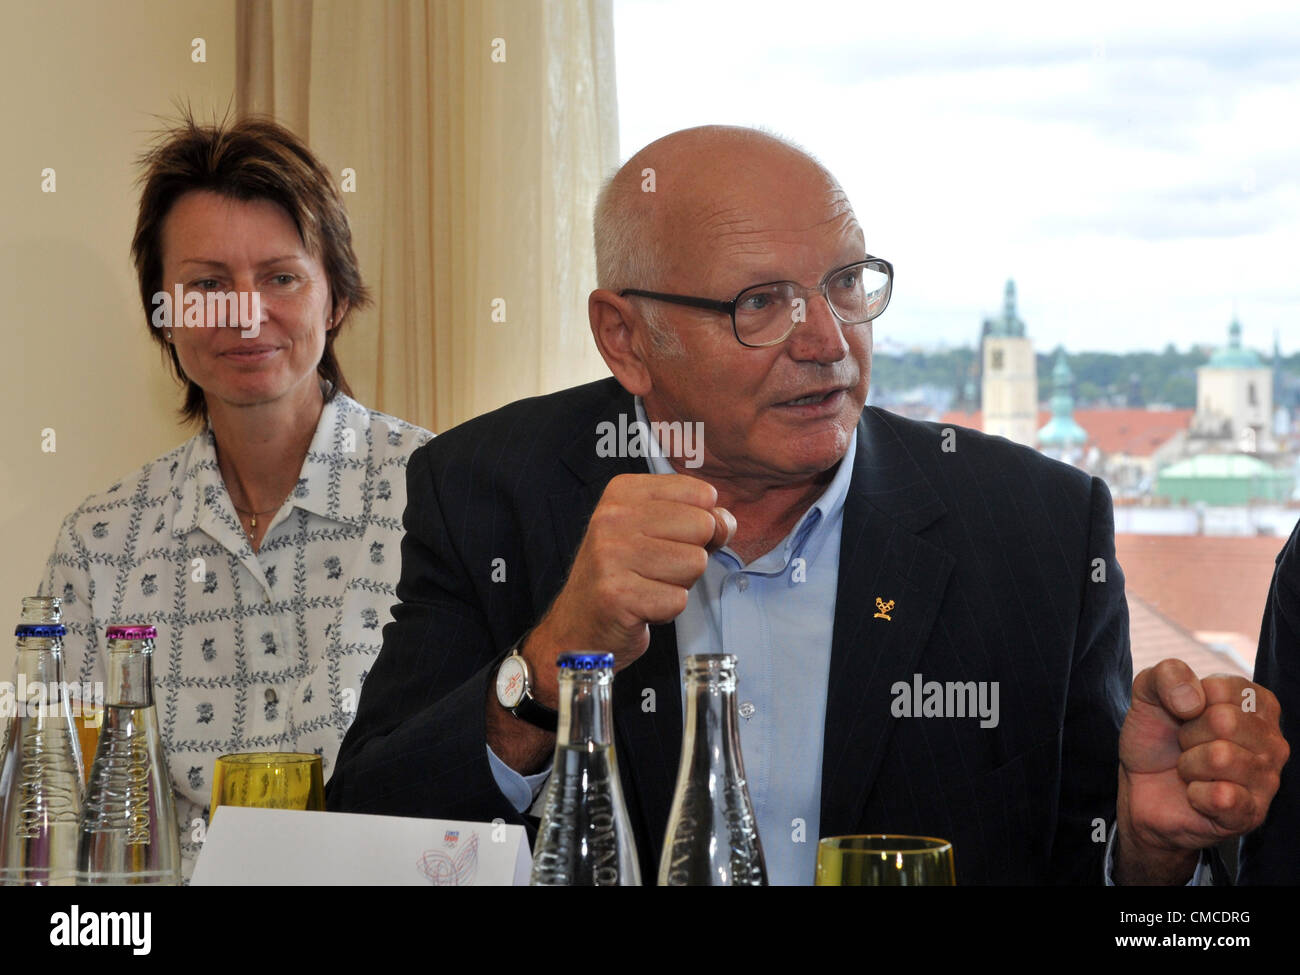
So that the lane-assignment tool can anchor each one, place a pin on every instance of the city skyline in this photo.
(1133, 168)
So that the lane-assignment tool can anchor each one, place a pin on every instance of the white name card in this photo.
(286, 847)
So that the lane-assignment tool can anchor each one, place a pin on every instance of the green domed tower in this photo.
(1061, 437)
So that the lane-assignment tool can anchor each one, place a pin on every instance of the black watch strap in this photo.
(537, 714)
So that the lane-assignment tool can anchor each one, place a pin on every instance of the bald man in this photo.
(929, 623)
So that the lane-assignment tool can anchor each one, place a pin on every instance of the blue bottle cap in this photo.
(45, 630)
(585, 661)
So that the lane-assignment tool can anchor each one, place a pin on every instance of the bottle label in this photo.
(119, 794)
(44, 798)
(601, 838)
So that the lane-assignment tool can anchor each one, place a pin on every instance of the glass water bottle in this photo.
(40, 768)
(128, 825)
(712, 835)
(585, 838)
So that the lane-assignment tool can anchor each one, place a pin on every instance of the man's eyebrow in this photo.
(846, 258)
(212, 262)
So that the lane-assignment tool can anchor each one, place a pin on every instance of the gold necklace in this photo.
(252, 520)
(251, 530)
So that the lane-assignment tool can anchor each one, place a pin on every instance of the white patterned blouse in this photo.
(256, 651)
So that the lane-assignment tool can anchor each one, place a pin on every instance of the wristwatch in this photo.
(515, 693)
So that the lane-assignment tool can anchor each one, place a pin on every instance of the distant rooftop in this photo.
(1232, 355)
(1154, 637)
(1008, 324)
(1224, 479)
(1236, 466)
(1062, 430)
(1137, 433)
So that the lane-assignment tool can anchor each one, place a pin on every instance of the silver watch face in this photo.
(512, 679)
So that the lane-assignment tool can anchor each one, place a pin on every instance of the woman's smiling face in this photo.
(214, 243)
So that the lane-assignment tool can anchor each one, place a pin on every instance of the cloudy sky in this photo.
(1135, 167)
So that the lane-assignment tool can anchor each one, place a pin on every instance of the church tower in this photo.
(1234, 399)
(1009, 393)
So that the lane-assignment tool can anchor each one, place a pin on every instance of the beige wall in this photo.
(80, 83)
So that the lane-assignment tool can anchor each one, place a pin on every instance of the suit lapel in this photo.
(881, 557)
(648, 726)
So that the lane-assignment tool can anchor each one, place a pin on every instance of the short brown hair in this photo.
(253, 158)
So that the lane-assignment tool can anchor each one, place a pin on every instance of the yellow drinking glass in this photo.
(884, 861)
(268, 780)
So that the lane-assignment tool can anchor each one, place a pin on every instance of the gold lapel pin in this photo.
(884, 608)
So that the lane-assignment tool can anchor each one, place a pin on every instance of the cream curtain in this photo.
(478, 132)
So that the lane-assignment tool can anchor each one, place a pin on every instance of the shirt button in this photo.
(742, 583)
(747, 709)
(271, 697)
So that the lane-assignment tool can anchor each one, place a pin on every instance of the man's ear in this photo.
(619, 333)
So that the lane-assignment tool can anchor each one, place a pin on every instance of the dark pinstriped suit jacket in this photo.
(987, 552)
(1271, 854)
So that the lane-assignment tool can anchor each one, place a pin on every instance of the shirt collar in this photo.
(819, 520)
(331, 482)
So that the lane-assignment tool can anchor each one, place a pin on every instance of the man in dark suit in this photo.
(854, 560)
(1271, 854)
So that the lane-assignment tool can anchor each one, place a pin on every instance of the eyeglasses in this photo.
(766, 314)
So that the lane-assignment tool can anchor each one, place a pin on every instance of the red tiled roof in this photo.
(1134, 432)
(1201, 582)
(1155, 638)
(1137, 433)
(975, 419)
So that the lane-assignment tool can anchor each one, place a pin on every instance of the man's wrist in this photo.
(1139, 864)
(523, 747)
(540, 653)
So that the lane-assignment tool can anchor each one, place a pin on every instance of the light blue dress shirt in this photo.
(776, 615)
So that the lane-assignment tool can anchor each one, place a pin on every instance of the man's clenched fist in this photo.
(1200, 761)
(647, 543)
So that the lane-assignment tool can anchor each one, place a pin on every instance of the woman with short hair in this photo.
(265, 549)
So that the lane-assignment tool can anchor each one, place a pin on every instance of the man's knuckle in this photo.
(1220, 755)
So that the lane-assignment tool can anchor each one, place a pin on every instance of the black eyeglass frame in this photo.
(729, 307)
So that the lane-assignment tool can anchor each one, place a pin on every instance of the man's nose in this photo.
(820, 337)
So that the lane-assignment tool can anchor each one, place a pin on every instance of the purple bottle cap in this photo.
(132, 631)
